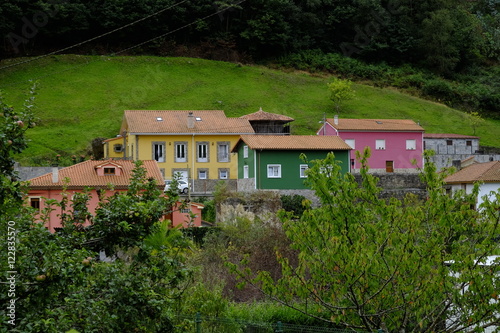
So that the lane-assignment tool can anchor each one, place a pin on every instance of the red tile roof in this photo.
(266, 116)
(448, 136)
(293, 142)
(176, 122)
(84, 174)
(375, 125)
(485, 172)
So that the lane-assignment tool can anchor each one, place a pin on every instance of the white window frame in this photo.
(202, 152)
(411, 144)
(180, 152)
(302, 170)
(159, 151)
(380, 144)
(223, 174)
(223, 152)
(202, 174)
(245, 151)
(245, 172)
(274, 171)
(351, 143)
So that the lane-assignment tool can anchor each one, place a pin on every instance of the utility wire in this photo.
(94, 38)
(175, 30)
(122, 51)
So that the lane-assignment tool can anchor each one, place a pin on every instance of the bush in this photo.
(293, 203)
(438, 88)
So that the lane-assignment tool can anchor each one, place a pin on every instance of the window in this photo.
(411, 144)
(35, 203)
(351, 143)
(202, 151)
(180, 152)
(303, 168)
(273, 171)
(118, 148)
(449, 142)
(223, 173)
(245, 171)
(159, 151)
(245, 151)
(380, 144)
(109, 171)
(468, 143)
(202, 174)
(223, 152)
(185, 210)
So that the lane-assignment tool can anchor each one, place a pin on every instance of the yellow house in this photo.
(195, 144)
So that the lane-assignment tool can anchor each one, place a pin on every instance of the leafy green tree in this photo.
(340, 91)
(123, 220)
(56, 280)
(474, 120)
(13, 125)
(369, 264)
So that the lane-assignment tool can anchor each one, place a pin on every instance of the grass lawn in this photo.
(83, 97)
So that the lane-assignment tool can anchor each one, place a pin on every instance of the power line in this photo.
(175, 30)
(94, 38)
(119, 52)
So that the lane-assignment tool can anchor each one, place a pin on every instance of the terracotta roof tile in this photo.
(293, 142)
(84, 175)
(263, 116)
(398, 125)
(486, 172)
(176, 122)
(448, 136)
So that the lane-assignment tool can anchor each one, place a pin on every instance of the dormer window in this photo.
(109, 171)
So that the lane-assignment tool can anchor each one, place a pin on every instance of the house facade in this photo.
(488, 174)
(396, 144)
(106, 177)
(272, 162)
(451, 149)
(194, 144)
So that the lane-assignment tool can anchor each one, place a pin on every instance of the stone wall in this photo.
(207, 186)
(446, 161)
(399, 185)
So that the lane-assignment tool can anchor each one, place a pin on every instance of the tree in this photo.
(474, 120)
(340, 91)
(13, 125)
(57, 282)
(367, 263)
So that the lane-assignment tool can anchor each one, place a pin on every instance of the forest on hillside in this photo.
(444, 35)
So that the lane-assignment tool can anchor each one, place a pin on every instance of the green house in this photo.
(273, 161)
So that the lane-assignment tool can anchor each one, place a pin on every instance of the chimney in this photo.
(190, 120)
(336, 119)
(55, 174)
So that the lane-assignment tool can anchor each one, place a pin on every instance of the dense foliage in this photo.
(370, 263)
(443, 35)
(58, 282)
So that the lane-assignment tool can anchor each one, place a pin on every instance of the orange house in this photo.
(98, 176)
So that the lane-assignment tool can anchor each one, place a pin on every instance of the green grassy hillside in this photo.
(81, 98)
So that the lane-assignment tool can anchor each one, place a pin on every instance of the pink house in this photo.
(98, 176)
(396, 144)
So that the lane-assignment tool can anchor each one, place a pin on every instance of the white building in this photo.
(487, 173)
